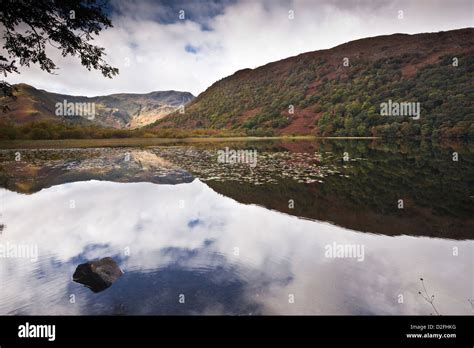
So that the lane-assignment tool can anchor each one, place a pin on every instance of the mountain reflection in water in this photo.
(226, 257)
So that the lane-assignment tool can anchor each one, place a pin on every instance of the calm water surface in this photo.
(226, 236)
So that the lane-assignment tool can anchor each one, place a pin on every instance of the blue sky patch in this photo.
(193, 223)
(191, 49)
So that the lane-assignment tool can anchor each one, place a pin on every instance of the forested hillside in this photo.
(338, 92)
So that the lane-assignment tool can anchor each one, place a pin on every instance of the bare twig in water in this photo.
(428, 298)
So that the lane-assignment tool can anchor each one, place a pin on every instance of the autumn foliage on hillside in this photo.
(315, 93)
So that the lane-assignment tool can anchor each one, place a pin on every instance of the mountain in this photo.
(124, 110)
(331, 98)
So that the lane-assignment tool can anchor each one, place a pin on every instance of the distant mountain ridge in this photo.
(333, 92)
(338, 91)
(122, 110)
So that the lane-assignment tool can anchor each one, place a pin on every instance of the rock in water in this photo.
(97, 275)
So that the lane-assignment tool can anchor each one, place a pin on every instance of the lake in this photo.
(327, 227)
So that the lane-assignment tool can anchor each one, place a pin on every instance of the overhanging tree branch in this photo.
(68, 25)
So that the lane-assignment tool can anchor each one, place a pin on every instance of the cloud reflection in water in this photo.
(191, 250)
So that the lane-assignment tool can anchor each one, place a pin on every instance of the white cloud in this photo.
(246, 35)
(279, 254)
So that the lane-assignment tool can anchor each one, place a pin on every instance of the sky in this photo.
(157, 49)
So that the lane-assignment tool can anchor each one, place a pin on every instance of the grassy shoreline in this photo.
(138, 142)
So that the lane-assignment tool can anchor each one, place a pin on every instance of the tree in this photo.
(29, 26)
